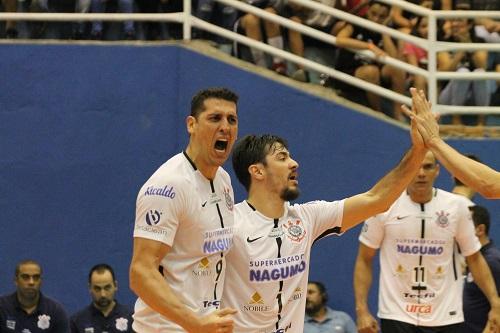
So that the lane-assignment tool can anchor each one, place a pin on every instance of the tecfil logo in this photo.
(208, 304)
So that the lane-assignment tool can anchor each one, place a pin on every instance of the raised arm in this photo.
(363, 275)
(480, 177)
(148, 283)
(483, 278)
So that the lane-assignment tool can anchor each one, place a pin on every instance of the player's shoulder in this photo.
(453, 198)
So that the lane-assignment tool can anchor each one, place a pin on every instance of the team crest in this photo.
(43, 321)
(229, 199)
(442, 219)
(295, 230)
(121, 324)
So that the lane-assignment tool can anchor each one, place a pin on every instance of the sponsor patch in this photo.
(217, 240)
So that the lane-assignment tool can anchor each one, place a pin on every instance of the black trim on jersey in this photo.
(335, 230)
(212, 187)
(190, 161)
(279, 241)
(160, 269)
(249, 204)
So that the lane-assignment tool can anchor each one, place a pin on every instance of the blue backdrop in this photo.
(82, 127)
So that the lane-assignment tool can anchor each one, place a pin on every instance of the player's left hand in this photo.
(493, 325)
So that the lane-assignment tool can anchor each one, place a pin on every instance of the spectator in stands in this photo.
(252, 26)
(104, 314)
(215, 13)
(354, 37)
(10, 26)
(101, 6)
(476, 306)
(156, 30)
(462, 189)
(27, 309)
(464, 92)
(415, 55)
(321, 318)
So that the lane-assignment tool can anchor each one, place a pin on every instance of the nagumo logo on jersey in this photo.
(430, 247)
(167, 191)
(276, 268)
(217, 240)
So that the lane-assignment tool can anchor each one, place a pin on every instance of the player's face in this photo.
(103, 289)
(281, 173)
(313, 299)
(214, 131)
(427, 174)
(28, 281)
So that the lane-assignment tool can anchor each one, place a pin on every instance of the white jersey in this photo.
(179, 207)
(267, 268)
(420, 278)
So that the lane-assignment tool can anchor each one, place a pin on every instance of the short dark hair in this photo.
(322, 291)
(26, 262)
(382, 4)
(480, 215)
(253, 149)
(472, 157)
(198, 100)
(101, 268)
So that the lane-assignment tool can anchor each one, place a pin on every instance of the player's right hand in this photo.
(367, 323)
(219, 321)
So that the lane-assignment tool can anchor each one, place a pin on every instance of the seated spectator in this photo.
(321, 318)
(160, 30)
(476, 305)
(100, 6)
(464, 92)
(10, 26)
(104, 314)
(354, 37)
(417, 56)
(215, 13)
(27, 309)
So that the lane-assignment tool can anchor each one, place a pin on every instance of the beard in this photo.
(313, 308)
(289, 194)
(102, 303)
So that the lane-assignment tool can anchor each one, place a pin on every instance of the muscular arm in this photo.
(381, 196)
(480, 177)
(363, 275)
(147, 282)
(483, 278)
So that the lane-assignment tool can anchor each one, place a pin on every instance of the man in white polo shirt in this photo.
(184, 227)
(268, 265)
(421, 281)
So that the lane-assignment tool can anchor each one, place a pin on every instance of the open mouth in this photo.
(221, 145)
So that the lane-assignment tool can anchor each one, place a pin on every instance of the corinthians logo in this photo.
(442, 219)
(256, 304)
(203, 268)
(295, 230)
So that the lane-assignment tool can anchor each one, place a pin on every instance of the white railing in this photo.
(431, 44)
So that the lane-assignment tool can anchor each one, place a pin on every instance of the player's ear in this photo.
(256, 171)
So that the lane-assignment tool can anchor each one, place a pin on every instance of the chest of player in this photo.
(427, 233)
(276, 253)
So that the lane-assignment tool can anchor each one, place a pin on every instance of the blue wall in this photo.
(82, 127)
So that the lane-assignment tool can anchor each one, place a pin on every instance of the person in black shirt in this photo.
(104, 314)
(27, 309)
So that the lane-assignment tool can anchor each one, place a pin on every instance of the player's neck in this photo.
(267, 204)
(421, 197)
(208, 171)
